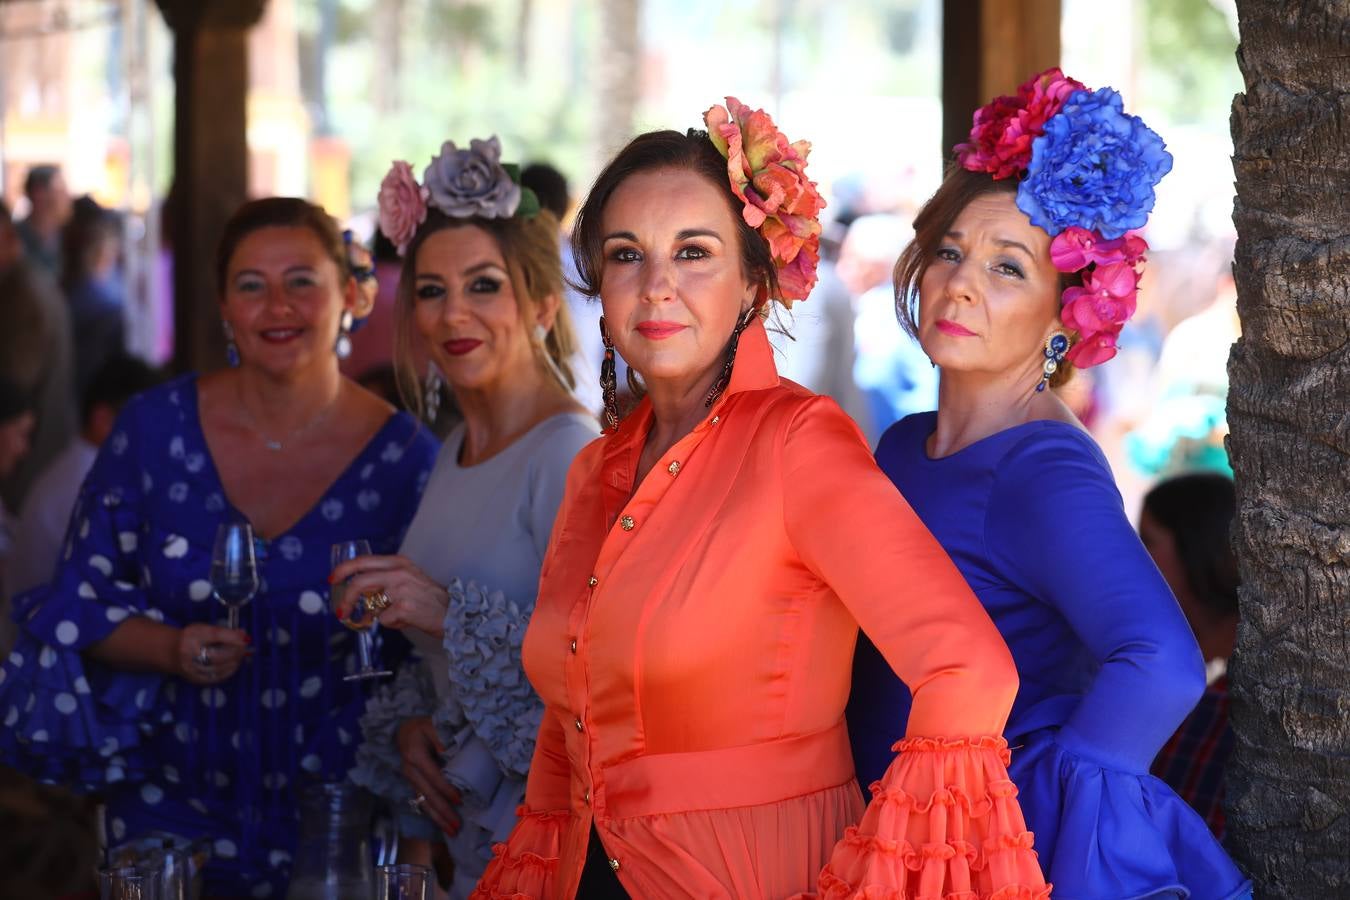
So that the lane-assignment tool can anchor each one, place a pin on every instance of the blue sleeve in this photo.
(69, 718)
(1057, 526)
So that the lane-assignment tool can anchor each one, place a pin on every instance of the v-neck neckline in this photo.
(195, 415)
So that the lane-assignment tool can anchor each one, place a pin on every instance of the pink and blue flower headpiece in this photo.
(1087, 172)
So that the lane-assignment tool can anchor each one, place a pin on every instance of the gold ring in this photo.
(378, 602)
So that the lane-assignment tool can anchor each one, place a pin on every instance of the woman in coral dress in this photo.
(715, 554)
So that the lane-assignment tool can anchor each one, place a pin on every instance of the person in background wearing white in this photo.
(46, 508)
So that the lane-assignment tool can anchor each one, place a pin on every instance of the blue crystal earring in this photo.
(231, 349)
(1055, 347)
(343, 347)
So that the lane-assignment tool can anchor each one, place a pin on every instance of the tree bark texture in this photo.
(1289, 414)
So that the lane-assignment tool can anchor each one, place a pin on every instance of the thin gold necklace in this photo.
(272, 443)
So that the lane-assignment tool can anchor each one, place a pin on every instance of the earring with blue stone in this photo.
(231, 348)
(1055, 347)
(343, 347)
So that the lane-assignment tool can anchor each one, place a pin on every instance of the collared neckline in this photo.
(754, 371)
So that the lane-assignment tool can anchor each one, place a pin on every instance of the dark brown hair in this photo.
(534, 265)
(279, 212)
(959, 187)
(692, 151)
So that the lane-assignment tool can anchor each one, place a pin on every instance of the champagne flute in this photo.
(404, 881)
(361, 619)
(234, 570)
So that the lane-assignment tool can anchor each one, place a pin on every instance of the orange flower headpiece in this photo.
(768, 174)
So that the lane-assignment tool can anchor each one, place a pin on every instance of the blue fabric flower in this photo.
(1094, 167)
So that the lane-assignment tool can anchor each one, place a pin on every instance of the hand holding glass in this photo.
(234, 570)
(360, 619)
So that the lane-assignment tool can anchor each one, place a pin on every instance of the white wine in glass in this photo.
(360, 619)
(234, 568)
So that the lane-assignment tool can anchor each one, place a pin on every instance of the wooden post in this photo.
(210, 164)
(989, 47)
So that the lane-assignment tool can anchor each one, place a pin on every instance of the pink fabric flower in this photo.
(1093, 350)
(1106, 300)
(403, 205)
(768, 175)
(1075, 248)
(1000, 139)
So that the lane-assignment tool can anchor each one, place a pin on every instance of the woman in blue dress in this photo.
(1021, 268)
(123, 681)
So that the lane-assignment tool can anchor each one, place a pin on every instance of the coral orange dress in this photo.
(692, 643)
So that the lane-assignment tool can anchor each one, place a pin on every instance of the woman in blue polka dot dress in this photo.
(123, 679)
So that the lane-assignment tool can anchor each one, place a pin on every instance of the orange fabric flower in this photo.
(768, 174)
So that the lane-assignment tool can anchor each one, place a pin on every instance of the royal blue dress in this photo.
(1108, 665)
(221, 762)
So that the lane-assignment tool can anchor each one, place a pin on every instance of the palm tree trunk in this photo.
(1289, 411)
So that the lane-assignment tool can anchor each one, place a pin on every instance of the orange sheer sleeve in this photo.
(944, 821)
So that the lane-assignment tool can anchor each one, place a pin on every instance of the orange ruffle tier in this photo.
(517, 873)
(943, 824)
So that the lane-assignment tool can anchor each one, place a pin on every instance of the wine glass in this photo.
(234, 570)
(360, 619)
(404, 881)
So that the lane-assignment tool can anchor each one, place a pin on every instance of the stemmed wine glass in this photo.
(234, 570)
(360, 619)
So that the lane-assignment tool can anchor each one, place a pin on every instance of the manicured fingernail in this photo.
(247, 639)
(341, 614)
(330, 577)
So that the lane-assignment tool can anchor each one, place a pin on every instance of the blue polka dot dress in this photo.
(223, 761)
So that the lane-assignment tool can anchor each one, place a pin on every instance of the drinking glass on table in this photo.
(234, 569)
(404, 881)
(128, 883)
(361, 619)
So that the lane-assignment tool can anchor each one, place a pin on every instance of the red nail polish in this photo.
(330, 577)
(341, 615)
(247, 639)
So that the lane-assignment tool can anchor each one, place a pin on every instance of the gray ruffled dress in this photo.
(481, 530)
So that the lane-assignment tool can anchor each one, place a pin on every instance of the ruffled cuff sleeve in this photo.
(378, 766)
(943, 824)
(525, 866)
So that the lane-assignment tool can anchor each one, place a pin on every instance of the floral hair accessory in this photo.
(1086, 177)
(460, 183)
(768, 175)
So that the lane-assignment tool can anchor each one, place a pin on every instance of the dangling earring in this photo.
(609, 382)
(231, 348)
(343, 346)
(541, 336)
(724, 378)
(431, 393)
(1055, 347)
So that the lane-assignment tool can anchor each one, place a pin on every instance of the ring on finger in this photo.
(204, 656)
(378, 602)
(417, 803)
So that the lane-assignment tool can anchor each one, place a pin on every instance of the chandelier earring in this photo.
(231, 348)
(343, 346)
(724, 378)
(609, 382)
(1056, 346)
(431, 393)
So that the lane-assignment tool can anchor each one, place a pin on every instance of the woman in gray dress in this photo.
(481, 284)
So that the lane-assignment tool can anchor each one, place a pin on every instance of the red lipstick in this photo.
(948, 327)
(659, 331)
(461, 346)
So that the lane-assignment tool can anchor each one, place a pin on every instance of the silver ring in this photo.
(204, 656)
(416, 803)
